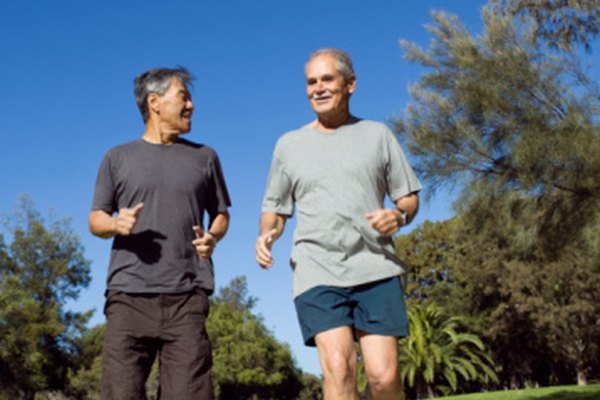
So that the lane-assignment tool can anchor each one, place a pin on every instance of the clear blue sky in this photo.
(67, 74)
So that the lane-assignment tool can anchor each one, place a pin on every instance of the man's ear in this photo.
(351, 84)
(153, 103)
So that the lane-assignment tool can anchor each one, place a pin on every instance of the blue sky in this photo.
(67, 74)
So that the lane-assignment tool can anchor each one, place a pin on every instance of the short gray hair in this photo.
(157, 80)
(343, 60)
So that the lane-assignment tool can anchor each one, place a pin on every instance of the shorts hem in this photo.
(309, 339)
(398, 333)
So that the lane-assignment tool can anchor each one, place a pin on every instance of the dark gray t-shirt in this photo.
(178, 184)
(332, 180)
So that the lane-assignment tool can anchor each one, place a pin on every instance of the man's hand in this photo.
(204, 243)
(126, 220)
(264, 243)
(385, 221)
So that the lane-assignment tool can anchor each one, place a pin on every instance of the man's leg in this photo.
(185, 357)
(380, 319)
(380, 357)
(129, 350)
(337, 354)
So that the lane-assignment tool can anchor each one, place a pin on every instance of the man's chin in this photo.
(324, 113)
(321, 109)
(185, 130)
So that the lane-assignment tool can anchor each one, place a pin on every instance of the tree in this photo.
(311, 388)
(561, 23)
(249, 363)
(84, 379)
(41, 268)
(429, 252)
(563, 304)
(439, 352)
(490, 115)
(515, 128)
(541, 317)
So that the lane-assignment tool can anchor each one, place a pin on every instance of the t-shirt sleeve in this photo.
(401, 179)
(278, 193)
(219, 200)
(104, 193)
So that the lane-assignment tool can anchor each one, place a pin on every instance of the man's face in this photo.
(327, 89)
(176, 108)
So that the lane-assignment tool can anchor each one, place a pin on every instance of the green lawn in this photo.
(589, 392)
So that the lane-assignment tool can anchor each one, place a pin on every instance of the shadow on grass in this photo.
(569, 395)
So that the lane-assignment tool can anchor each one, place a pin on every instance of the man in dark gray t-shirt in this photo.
(335, 173)
(152, 196)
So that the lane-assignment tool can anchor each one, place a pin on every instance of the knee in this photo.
(340, 367)
(383, 380)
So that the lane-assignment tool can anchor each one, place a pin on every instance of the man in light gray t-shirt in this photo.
(334, 173)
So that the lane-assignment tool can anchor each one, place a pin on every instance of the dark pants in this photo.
(141, 325)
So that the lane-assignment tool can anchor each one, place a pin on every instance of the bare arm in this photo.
(219, 225)
(409, 204)
(271, 228)
(206, 242)
(388, 221)
(106, 226)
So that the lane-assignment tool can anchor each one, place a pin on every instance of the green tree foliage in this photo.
(85, 377)
(559, 22)
(440, 352)
(311, 388)
(516, 129)
(42, 267)
(499, 115)
(249, 363)
(563, 305)
(429, 251)
(86, 382)
(541, 316)
(432, 253)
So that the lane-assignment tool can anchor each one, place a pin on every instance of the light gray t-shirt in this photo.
(178, 184)
(332, 180)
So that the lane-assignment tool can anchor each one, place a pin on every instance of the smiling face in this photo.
(174, 108)
(327, 89)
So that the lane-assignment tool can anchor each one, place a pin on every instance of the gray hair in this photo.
(343, 60)
(157, 80)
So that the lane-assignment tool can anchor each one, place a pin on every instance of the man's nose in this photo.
(320, 87)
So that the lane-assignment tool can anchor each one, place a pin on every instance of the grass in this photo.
(589, 392)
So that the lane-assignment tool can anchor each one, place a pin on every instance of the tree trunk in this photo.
(582, 371)
(581, 378)
(430, 392)
(424, 391)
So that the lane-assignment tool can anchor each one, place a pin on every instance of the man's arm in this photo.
(408, 204)
(206, 242)
(271, 228)
(106, 226)
(219, 225)
(387, 221)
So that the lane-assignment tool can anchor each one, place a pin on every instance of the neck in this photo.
(154, 134)
(330, 123)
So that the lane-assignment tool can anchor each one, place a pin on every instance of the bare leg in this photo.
(337, 354)
(380, 355)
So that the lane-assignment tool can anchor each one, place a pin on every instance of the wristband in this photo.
(402, 218)
(213, 235)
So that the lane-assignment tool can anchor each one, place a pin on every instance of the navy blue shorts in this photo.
(375, 307)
